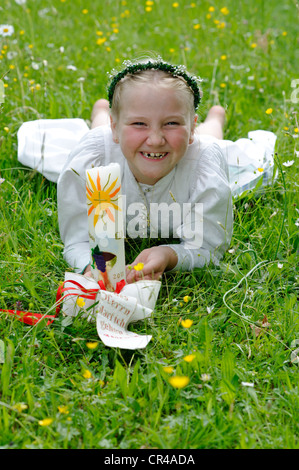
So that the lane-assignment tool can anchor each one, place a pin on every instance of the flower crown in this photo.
(158, 64)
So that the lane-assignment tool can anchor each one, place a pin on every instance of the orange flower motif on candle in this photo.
(101, 200)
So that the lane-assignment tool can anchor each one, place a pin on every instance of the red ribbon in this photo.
(28, 317)
(32, 318)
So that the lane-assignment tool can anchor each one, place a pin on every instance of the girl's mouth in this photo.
(154, 156)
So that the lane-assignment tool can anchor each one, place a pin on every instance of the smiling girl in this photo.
(150, 130)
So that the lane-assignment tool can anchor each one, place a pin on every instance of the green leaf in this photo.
(120, 378)
(2, 351)
(227, 373)
(7, 366)
(228, 391)
(227, 366)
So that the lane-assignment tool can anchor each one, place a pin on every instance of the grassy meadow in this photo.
(60, 387)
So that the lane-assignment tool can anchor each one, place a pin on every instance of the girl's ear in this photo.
(113, 126)
(191, 139)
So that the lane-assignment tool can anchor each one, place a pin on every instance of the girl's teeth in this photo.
(154, 155)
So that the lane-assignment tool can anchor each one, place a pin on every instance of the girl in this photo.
(150, 130)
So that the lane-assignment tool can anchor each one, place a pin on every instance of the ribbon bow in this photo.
(32, 318)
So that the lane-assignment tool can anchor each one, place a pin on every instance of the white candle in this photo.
(105, 224)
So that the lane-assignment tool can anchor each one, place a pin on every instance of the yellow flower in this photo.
(284, 33)
(148, 9)
(63, 409)
(296, 130)
(45, 421)
(22, 32)
(260, 170)
(11, 66)
(6, 129)
(253, 45)
(269, 111)
(139, 267)
(222, 85)
(85, 11)
(211, 8)
(175, 4)
(20, 407)
(223, 57)
(186, 323)
(149, 3)
(126, 13)
(80, 302)
(178, 381)
(189, 358)
(187, 298)
(172, 50)
(209, 16)
(224, 11)
(87, 374)
(92, 344)
(99, 33)
(168, 369)
(196, 26)
(31, 46)
(101, 41)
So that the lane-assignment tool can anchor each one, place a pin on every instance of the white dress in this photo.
(206, 178)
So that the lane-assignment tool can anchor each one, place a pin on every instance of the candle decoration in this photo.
(105, 224)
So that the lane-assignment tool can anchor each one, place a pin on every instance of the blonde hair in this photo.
(153, 77)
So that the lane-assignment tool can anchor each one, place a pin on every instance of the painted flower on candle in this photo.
(101, 200)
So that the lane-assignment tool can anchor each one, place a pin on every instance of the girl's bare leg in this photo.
(100, 114)
(214, 123)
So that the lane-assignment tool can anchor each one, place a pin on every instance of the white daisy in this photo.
(6, 30)
(20, 2)
(288, 163)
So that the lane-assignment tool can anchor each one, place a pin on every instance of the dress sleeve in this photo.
(71, 198)
(206, 231)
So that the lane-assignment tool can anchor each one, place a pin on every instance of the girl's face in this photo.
(154, 128)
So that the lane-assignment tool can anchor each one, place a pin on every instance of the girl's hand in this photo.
(155, 261)
(87, 271)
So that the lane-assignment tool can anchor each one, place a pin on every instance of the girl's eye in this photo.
(172, 123)
(138, 124)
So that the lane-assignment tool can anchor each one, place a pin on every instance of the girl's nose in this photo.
(155, 138)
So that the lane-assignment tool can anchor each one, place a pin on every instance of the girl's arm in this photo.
(212, 194)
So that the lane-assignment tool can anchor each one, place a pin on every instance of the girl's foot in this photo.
(214, 123)
(100, 114)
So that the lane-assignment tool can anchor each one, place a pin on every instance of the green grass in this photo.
(243, 389)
